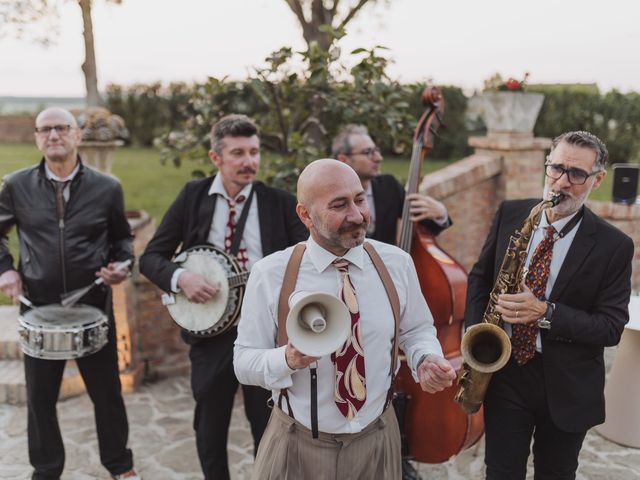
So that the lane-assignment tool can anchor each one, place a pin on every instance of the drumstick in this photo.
(25, 301)
(71, 298)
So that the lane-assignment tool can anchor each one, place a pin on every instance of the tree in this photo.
(16, 15)
(322, 19)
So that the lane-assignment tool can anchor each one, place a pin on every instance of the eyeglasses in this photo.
(576, 176)
(367, 152)
(60, 130)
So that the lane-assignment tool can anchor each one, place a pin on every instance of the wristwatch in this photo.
(545, 322)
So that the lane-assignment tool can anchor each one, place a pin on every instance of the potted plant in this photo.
(506, 107)
(102, 133)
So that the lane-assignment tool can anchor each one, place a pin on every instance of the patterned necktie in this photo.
(230, 232)
(350, 386)
(523, 340)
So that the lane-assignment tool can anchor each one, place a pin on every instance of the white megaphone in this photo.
(318, 323)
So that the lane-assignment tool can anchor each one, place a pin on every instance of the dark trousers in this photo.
(100, 374)
(214, 386)
(515, 410)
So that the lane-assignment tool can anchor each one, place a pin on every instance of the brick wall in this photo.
(471, 188)
(16, 128)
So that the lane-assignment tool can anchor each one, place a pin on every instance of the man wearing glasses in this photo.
(385, 195)
(72, 228)
(574, 302)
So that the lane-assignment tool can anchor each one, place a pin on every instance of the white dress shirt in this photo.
(66, 193)
(560, 249)
(258, 360)
(217, 232)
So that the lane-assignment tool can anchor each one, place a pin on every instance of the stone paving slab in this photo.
(163, 443)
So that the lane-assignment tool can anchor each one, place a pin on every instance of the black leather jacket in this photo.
(61, 254)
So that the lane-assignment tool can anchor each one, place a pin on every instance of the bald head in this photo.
(58, 113)
(322, 176)
(333, 205)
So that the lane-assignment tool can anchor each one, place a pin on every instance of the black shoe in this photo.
(408, 471)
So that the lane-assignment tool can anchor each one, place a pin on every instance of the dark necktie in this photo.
(230, 232)
(350, 385)
(523, 340)
(60, 201)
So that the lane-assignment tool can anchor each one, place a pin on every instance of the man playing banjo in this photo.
(72, 227)
(215, 211)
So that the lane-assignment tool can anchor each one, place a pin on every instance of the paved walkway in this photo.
(162, 440)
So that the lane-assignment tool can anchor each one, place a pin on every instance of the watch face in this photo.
(544, 323)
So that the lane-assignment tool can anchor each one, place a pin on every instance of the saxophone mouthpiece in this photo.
(556, 198)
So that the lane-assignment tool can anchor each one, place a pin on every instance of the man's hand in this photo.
(423, 207)
(112, 275)
(521, 307)
(196, 288)
(296, 359)
(435, 374)
(11, 285)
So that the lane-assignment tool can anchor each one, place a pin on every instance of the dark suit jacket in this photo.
(188, 221)
(591, 295)
(388, 197)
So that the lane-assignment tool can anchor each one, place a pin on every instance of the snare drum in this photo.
(54, 332)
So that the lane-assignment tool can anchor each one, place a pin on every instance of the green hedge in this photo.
(152, 111)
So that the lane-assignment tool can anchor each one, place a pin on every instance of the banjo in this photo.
(221, 312)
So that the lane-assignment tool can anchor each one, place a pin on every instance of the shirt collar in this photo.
(369, 189)
(322, 258)
(558, 225)
(52, 176)
(218, 188)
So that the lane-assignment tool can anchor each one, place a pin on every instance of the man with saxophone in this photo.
(573, 301)
(228, 209)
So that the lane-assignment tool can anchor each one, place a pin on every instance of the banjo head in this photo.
(222, 311)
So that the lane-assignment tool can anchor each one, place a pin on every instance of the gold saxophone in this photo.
(486, 347)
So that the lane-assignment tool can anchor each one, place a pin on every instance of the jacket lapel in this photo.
(580, 248)
(206, 207)
(265, 218)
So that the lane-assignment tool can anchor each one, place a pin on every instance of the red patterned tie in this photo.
(350, 387)
(231, 230)
(523, 340)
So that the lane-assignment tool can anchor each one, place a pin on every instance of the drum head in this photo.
(52, 317)
(215, 266)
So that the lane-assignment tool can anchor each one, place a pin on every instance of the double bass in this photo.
(435, 428)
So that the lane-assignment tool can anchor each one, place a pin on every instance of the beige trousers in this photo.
(288, 452)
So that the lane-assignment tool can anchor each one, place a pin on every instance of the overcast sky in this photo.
(458, 42)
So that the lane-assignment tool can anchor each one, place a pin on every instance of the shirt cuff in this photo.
(277, 373)
(441, 222)
(174, 280)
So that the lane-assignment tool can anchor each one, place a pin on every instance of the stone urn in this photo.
(99, 155)
(514, 112)
(102, 133)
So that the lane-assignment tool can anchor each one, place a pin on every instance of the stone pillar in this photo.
(510, 118)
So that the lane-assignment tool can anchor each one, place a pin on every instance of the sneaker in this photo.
(130, 475)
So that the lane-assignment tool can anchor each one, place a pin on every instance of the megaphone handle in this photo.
(314, 399)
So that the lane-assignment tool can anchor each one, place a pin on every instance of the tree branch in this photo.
(352, 13)
(296, 7)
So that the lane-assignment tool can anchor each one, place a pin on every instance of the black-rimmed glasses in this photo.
(60, 129)
(367, 152)
(576, 176)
